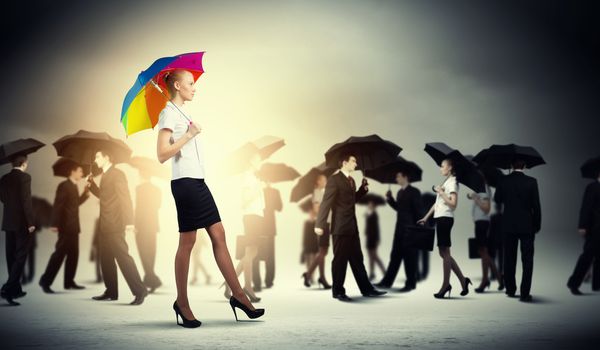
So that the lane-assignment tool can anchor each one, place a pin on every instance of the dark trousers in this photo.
(29, 269)
(146, 244)
(423, 267)
(67, 246)
(266, 250)
(590, 255)
(511, 243)
(400, 251)
(113, 251)
(346, 249)
(17, 247)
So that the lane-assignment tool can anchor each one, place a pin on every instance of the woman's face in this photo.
(185, 86)
(446, 168)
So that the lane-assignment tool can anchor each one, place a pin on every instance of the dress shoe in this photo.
(511, 294)
(139, 299)
(270, 285)
(526, 298)
(74, 286)
(105, 297)
(19, 295)
(382, 285)
(342, 297)
(46, 289)
(406, 289)
(375, 293)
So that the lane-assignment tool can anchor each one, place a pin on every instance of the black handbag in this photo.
(473, 249)
(420, 237)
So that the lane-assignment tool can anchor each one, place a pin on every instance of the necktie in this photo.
(352, 184)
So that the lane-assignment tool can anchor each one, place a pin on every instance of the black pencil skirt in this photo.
(195, 205)
(443, 227)
(482, 228)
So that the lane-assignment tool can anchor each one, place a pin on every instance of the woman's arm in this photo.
(427, 216)
(450, 200)
(165, 149)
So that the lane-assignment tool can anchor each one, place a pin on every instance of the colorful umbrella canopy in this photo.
(306, 184)
(83, 145)
(371, 151)
(386, 174)
(150, 167)
(149, 94)
(18, 147)
(277, 172)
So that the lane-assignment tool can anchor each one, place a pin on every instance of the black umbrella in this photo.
(277, 172)
(306, 205)
(371, 151)
(83, 145)
(306, 184)
(371, 197)
(150, 167)
(386, 174)
(20, 147)
(491, 174)
(503, 156)
(63, 166)
(466, 171)
(42, 212)
(591, 168)
(267, 145)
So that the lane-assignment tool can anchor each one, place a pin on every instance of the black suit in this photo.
(589, 219)
(273, 203)
(147, 203)
(116, 212)
(409, 208)
(65, 217)
(340, 197)
(521, 220)
(15, 193)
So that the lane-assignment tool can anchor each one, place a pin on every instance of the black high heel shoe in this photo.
(306, 280)
(252, 314)
(441, 294)
(482, 288)
(465, 290)
(324, 283)
(185, 322)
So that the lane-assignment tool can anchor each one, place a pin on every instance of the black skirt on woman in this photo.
(310, 244)
(372, 231)
(324, 238)
(196, 207)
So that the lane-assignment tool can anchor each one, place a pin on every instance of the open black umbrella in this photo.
(491, 174)
(83, 145)
(306, 205)
(502, 156)
(150, 167)
(63, 166)
(267, 145)
(306, 184)
(371, 197)
(42, 212)
(371, 151)
(386, 174)
(591, 168)
(466, 171)
(277, 172)
(18, 147)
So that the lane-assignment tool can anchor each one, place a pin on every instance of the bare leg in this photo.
(446, 266)
(182, 267)
(456, 269)
(223, 259)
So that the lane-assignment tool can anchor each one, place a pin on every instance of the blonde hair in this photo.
(170, 78)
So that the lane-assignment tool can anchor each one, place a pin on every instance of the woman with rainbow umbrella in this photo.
(157, 97)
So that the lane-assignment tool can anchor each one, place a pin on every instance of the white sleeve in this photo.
(452, 185)
(166, 120)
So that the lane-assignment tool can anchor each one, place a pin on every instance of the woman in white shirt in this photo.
(443, 214)
(178, 140)
(481, 219)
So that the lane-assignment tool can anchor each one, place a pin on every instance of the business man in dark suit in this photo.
(273, 203)
(116, 217)
(521, 220)
(409, 210)
(340, 197)
(147, 203)
(589, 227)
(18, 223)
(65, 221)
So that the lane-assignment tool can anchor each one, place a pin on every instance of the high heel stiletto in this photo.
(252, 314)
(323, 283)
(501, 283)
(185, 322)
(465, 290)
(253, 298)
(482, 288)
(441, 294)
(306, 280)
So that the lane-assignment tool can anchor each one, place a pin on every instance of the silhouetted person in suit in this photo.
(18, 223)
(427, 200)
(147, 203)
(373, 239)
(589, 227)
(273, 203)
(409, 209)
(340, 197)
(116, 216)
(65, 221)
(95, 251)
(521, 220)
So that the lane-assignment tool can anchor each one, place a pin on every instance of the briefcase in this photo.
(473, 249)
(420, 237)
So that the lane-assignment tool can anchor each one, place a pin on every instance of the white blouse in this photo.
(477, 213)
(189, 161)
(440, 207)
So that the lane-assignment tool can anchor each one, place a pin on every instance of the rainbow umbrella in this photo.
(149, 95)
